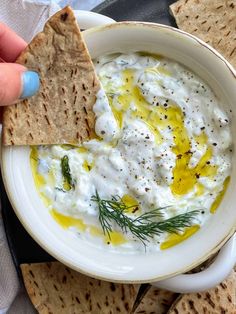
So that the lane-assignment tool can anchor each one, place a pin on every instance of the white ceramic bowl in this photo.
(214, 69)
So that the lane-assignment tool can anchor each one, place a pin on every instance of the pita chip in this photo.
(213, 21)
(221, 299)
(54, 288)
(61, 112)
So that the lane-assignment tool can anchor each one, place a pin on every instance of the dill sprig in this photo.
(66, 173)
(143, 227)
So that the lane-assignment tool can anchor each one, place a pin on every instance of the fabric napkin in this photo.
(26, 17)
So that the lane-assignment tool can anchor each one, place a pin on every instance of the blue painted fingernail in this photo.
(30, 84)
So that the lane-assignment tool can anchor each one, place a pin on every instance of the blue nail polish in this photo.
(30, 84)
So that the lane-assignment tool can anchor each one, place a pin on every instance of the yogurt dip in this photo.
(163, 141)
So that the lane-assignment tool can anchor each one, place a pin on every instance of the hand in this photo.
(15, 80)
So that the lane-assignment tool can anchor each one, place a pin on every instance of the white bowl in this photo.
(78, 254)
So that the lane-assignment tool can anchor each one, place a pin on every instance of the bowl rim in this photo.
(167, 27)
(62, 258)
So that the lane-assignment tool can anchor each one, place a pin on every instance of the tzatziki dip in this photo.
(158, 168)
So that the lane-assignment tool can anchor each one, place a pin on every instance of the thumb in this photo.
(16, 82)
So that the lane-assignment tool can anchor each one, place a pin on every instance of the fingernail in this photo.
(30, 84)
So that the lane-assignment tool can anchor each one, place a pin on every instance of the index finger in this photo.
(11, 45)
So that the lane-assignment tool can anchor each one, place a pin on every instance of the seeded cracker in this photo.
(54, 288)
(61, 112)
(214, 21)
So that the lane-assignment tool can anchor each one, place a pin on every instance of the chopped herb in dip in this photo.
(65, 169)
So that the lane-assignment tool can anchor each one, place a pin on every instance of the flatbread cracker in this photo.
(61, 112)
(156, 301)
(213, 21)
(221, 299)
(54, 288)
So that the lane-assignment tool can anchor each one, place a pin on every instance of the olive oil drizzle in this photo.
(158, 117)
(176, 238)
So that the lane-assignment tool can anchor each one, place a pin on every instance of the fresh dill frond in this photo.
(66, 173)
(143, 227)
